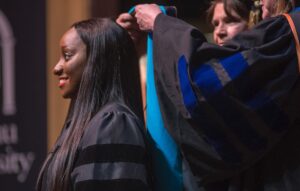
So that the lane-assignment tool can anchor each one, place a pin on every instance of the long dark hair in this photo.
(111, 74)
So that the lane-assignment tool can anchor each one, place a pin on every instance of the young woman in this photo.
(102, 145)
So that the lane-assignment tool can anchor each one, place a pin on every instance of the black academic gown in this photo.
(111, 155)
(234, 111)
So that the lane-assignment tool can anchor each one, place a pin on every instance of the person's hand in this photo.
(128, 22)
(145, 15)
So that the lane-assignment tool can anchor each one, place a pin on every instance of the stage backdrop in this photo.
(22, 93)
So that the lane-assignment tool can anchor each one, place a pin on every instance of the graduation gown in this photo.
(111, 155)
(234, 111)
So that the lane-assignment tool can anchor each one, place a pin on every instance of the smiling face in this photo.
(71, 64)
(225, 27)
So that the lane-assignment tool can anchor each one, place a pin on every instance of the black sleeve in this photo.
(226, 106)
(112, 155)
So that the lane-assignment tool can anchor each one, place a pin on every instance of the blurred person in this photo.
(230, 17)
(271, 8)
(102, 145)
(233, 110)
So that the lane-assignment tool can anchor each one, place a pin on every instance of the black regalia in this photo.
(111, 155)
(234, 111)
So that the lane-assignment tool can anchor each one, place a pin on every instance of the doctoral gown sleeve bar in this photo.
(227, 106)
(112, 153)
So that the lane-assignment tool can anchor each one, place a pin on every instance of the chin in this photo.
(220, 43)
(66, 96)
(265, 14)
(68, 93)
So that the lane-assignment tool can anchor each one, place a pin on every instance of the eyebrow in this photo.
(66, 48)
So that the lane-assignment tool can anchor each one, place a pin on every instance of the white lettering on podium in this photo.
(13, 162)
(8, 134)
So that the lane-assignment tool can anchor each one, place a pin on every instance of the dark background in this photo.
(191, 11)
(27, 19)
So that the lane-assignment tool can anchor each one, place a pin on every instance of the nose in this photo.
(220, 31)
(58, 69)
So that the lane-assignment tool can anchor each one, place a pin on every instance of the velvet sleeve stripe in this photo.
(235, 116)
(232, 110)
(110, 171)
(111, 185)
(270, 112)
(112, 153)
(212, 77)
(189, 98)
